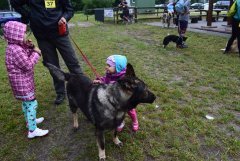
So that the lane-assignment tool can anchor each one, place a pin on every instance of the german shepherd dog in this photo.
(105, 105)
(173, 38)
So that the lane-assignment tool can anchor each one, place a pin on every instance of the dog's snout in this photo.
(149, 97)
(152, 97)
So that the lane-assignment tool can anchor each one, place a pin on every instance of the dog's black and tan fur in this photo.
(105, 105)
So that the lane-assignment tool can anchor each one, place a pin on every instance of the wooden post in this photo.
(209, 13)
(135, 14)
(114, 16)
(86, 13)
(9, 5)
(117, 16)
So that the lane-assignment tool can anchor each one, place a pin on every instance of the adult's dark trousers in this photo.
(49, 48)
(235, 34)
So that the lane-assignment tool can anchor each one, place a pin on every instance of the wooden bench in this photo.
(214, 18)
(195, 19)
(224, 16)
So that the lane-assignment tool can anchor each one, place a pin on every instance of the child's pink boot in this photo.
(133, 114)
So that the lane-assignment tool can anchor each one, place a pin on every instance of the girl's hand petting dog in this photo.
(97, 81)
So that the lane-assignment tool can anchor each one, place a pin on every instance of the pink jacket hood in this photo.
(14, 32)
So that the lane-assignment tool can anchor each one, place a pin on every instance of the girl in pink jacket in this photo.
(21, 56)
(116, 69)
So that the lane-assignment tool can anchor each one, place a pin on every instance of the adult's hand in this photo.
(62, 21)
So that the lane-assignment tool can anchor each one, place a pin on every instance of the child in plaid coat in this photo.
(21, 56)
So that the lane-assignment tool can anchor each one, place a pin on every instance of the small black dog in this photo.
(174, 38)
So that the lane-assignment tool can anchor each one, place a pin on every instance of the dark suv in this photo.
(223, 4)
(6, 16)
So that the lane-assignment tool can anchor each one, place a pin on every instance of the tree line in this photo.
(80, 5)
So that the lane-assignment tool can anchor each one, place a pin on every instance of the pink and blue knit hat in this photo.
(117, 61)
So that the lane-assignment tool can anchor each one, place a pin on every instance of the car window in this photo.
(16, 14)
(7, 15)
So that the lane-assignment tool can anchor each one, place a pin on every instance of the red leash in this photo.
(86, 60)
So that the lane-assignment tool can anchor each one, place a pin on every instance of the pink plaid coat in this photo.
(20, 61)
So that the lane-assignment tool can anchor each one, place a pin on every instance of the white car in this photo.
(206, 6)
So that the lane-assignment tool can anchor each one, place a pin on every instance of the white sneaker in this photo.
(37, 132)
(39, 120)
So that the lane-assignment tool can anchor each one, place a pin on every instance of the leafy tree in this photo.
(4, 5)
(161, 1)
(116, 3)
(77, 5)
(90, 4)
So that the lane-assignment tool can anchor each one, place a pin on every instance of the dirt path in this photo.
(62, 143)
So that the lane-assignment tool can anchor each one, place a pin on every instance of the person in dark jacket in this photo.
(48, 22)
(235, 30)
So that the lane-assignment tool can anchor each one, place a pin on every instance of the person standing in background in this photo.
(235, 29)
(170, 10)
(183, 20)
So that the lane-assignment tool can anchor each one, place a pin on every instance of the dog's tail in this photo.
(58, 73)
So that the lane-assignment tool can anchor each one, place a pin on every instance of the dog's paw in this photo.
(75, 129)
(117, 142)
(120, 144)
(102, 159)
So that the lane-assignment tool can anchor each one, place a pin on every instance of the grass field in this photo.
(189, 84)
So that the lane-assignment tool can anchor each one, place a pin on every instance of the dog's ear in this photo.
(125, 83)
(130, 71)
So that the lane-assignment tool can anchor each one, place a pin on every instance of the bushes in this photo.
(77, 5)
(4, 5)
(80, 5)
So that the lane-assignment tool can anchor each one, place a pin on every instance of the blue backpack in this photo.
(179, 7)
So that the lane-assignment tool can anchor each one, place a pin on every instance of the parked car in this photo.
(6, 16)
(197, 6)
(206, 6)
(224, 4)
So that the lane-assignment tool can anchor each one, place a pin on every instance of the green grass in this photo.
(189, 83)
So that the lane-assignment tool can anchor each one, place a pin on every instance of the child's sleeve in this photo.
(25, 62)
(103, 79)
